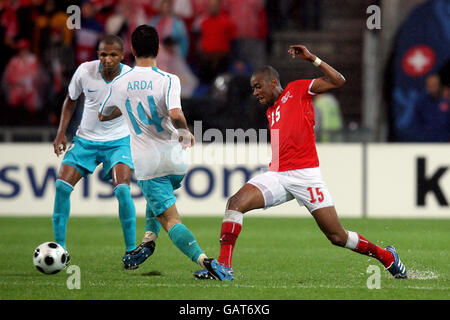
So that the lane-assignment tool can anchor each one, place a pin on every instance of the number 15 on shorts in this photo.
(316, 195)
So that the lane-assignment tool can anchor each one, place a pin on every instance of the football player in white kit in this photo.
(149, 99)
(96, 142)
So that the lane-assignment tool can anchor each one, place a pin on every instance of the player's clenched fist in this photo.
(59, 144)
(186, 138)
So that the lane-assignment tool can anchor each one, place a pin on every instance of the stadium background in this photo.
(377, 156)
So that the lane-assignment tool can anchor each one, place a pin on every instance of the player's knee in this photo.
(63, 188)
(122, 192)
(237, 203)
(168, 221)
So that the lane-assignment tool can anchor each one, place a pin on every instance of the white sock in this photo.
(234, 216)
(352, 240)
(200, 259)
(149, 236)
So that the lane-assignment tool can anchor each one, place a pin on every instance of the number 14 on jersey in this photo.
(154, 120)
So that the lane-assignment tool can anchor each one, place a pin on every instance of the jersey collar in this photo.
(100, 70)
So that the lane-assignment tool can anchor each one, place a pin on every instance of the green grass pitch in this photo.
(274, 259)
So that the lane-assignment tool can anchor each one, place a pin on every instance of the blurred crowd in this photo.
(212, 45)
(431, 111)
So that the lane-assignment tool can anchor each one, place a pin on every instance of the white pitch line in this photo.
(275, 287)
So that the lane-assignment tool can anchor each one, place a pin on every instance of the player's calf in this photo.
(338, 239)
(388, 257)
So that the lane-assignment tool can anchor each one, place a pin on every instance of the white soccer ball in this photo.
(50, 258)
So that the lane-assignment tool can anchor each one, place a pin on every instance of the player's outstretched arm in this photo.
(332, 79)
(60, 142)
(114, 114)
(179, 122)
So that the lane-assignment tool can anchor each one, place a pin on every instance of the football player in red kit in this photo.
(294, 170)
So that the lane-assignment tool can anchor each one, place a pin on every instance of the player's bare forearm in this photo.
(332, 79)
(178, 119)
(179, 122)
(60, 142)
(68, 108)
(115, 114)
(332, 74)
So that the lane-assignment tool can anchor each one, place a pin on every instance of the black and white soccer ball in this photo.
(50, 258)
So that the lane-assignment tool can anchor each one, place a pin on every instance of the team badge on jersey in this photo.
(286, 97)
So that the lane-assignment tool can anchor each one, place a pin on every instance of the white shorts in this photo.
(305, 185)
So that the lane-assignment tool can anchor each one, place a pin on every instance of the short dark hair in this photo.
(269, 73)
(145, 41)
(112, 39)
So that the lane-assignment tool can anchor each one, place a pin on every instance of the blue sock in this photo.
(61, 211)
(127, 215)
(151, 223)
(185, 241)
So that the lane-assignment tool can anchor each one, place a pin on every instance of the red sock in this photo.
(228, 236)
(368, 248)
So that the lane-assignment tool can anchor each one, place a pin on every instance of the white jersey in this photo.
(145, 95)
(89, 80)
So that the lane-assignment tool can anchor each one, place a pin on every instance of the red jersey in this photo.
(291, 121)
(217, 33)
